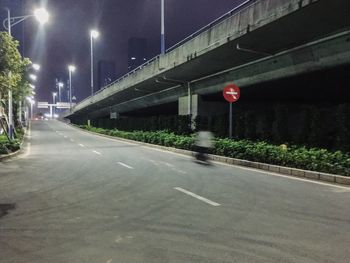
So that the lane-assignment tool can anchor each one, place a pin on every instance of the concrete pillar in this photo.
(201, 107)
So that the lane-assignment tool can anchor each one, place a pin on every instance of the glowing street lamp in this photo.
(33, 77)
(36, 66)
(42, 16)
(54, 94)
(60, 86)
(162, 32)
(71, 69)
(94, 34)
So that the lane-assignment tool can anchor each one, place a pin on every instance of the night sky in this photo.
(65, 39)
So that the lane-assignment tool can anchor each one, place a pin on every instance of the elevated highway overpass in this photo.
(257, 42)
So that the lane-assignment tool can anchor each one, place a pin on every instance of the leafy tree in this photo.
(13, 70)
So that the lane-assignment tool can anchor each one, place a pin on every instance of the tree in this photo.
(13, 70)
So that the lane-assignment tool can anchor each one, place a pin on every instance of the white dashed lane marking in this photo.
(201, 198)
(125, 165)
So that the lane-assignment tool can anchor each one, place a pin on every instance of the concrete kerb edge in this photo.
(5, 157)
(293, 172)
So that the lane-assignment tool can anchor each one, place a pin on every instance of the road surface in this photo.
(76, 197)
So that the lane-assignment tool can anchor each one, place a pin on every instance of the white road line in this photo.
(180, 171)
(66, 137)
(257, 171)
(150, 160)
(263, 172)
(81, 145)
(125, 165)
(197, 196)
(169, 164)
(71, 140)
(97, 152)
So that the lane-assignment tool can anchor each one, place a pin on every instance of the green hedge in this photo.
(313, 159)
(7, 147)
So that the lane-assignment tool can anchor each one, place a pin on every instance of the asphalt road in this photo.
(76, 197)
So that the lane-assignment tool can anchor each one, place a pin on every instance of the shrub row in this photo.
(313, 159)
(7, 147)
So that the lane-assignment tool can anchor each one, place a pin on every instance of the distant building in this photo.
(17, 9)
(137, 52)
(106, 73)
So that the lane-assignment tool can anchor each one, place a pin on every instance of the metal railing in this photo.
(241, 7)
(237, 9)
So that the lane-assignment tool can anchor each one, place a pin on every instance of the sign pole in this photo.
(231, 93)
(230, 121)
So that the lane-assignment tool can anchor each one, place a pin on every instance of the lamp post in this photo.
(36, 67)
(60, 86)
(94, 34)
(54, 94)
(32, 102)
(162, 33)
(42, 16)
(71, 69)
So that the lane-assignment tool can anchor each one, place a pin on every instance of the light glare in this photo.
(41, 15)
(36, 67)
(33, 77)
(94, 33)
(71, 68)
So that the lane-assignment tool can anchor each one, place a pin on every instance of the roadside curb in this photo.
(5, 157)
(293, 172)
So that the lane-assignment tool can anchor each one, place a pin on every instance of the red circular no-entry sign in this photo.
(232, 93)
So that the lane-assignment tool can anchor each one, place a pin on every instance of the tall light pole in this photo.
(36, 67)
(32, 102)
(71, 69)
(94, 34)
(54, 94)
(42, 16)
(60, 86)
(162, 33)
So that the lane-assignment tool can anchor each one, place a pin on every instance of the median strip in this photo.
(203, 199)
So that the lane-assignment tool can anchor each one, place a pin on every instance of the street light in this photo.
(71, 69)
(162, 33)
(94, 34)
(36, 66)
(31, 102)
(33, 77)
(42, 16)
(53, 112)
(60, 86)
(54, 94)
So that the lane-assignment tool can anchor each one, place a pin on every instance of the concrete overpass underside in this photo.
(256, 46)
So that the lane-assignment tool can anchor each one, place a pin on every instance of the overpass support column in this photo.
(189, 98)
(195, 105)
